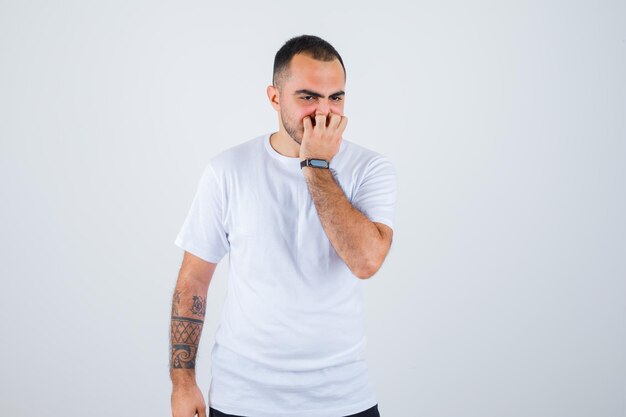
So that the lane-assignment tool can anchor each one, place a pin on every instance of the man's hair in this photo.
(315, 47)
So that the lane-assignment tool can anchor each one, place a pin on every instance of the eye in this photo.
(337, 98)
(306, 98)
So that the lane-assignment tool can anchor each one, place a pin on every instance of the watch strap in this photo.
(314, 163)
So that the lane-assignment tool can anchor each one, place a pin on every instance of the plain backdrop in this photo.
(504, 293)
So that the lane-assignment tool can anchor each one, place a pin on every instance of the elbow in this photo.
(368, 270)
(361, 274)
(370, 263)
(366, 275)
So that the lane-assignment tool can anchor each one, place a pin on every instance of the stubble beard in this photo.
(293, 132)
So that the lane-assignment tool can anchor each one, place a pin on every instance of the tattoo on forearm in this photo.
(199, 306)
(185, 331)
(185, 334)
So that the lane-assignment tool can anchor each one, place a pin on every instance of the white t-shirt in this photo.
(291, 340)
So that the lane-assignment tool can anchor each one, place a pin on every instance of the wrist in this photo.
(183, 377)
(317, 163)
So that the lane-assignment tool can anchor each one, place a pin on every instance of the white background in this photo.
(504, 291)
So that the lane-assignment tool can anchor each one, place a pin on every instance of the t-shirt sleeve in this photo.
(202, 233)
(376, 195)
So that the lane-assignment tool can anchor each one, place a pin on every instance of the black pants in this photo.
(370, 412)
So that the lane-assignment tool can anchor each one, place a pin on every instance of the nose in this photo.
(322, 108)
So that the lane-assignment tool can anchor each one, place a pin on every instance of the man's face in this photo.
(312, 87)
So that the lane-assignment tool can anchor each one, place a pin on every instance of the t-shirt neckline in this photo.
(274, 153)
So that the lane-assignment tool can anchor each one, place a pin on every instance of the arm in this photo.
(188, 311)
(361, 243)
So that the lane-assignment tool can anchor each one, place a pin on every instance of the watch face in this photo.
(320, 163)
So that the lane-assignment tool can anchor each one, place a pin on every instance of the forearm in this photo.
(187, 320)
(356, 239)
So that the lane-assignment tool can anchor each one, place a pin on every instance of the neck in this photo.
(284, 144)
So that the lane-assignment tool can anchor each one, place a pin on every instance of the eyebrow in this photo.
(314, 94)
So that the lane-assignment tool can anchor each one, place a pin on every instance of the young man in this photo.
(306, 216)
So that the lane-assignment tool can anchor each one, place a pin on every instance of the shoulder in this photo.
(231, 159)
(364, 159)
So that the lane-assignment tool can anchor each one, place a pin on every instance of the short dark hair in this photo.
(313, 46)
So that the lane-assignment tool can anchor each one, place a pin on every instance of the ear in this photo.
(273, 96)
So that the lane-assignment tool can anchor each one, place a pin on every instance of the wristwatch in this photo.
(315, 163)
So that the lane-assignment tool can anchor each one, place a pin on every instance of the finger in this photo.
(320, 120)
(202, 412)
(335, 119)
(307, 123)
(342, 124)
